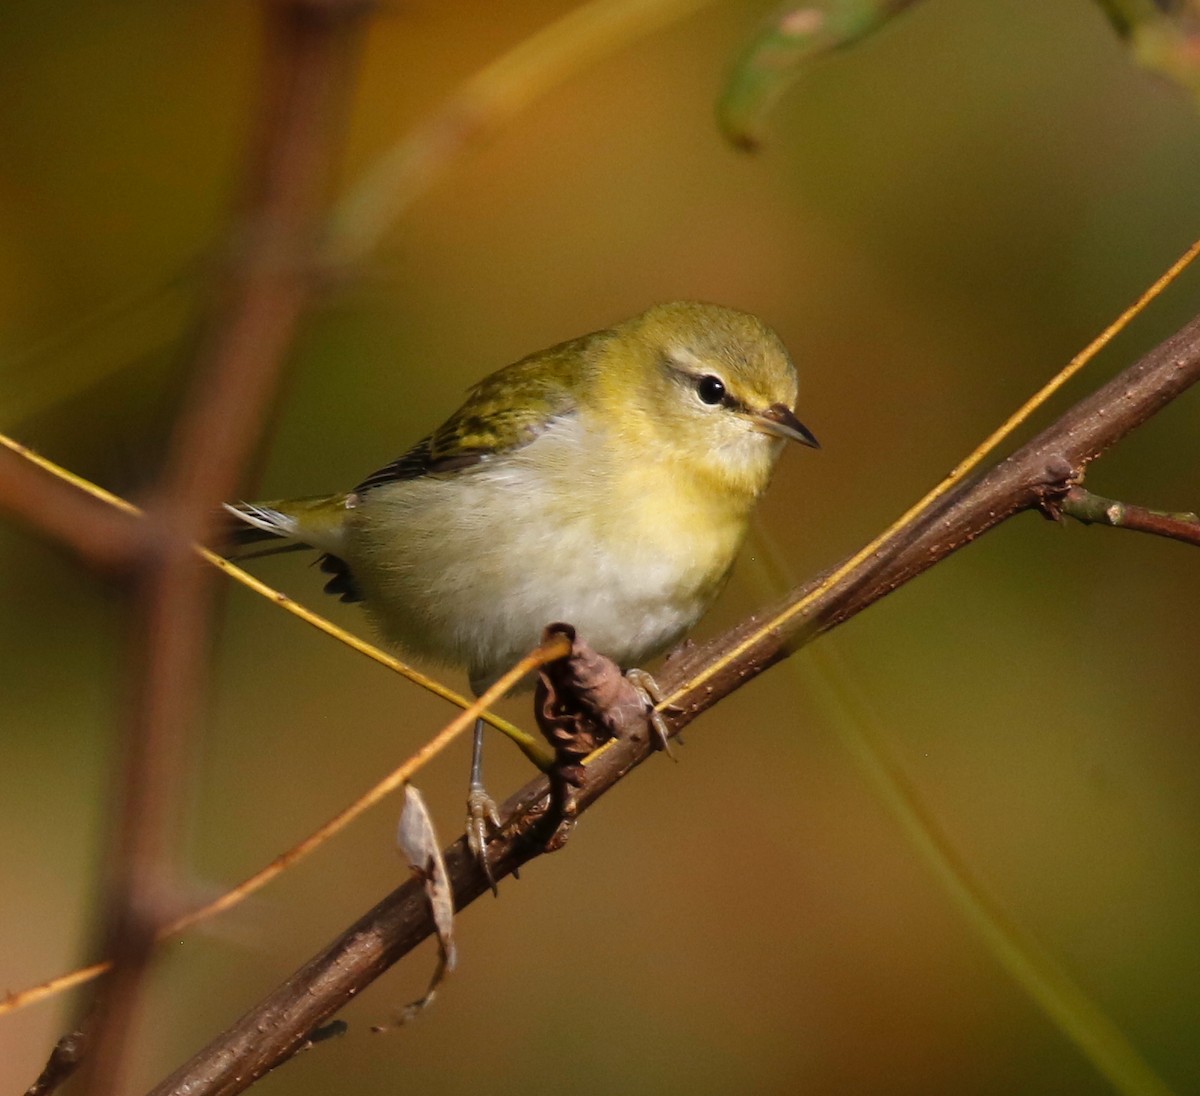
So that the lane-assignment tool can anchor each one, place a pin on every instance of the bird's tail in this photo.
(287, 524)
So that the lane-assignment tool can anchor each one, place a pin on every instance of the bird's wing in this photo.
(504, 411)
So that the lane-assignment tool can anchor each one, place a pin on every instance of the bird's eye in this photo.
(710, 389)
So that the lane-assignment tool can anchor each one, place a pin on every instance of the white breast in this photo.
(468, 568)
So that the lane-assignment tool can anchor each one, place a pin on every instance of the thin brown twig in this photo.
(311, 44)
(1093, 509)
(100, 535)
(1039, 473)
(480, 106)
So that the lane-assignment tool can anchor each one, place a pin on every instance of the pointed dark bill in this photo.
(778, 420)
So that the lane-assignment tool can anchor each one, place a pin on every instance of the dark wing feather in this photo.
(504, 411)
(342, 584)
(420, 461)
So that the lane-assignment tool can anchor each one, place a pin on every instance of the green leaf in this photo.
(1164, 36)
(774, 58)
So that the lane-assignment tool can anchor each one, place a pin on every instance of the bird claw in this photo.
(483, 820)
(647, 688)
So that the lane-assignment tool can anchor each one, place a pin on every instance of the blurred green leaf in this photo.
(825, 676)
(1164, 36)
(774, 58)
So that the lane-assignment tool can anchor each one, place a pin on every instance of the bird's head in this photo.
(709, 386)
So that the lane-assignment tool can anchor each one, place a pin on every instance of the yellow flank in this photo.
(607, 482)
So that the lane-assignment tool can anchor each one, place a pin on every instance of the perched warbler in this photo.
(607, 482)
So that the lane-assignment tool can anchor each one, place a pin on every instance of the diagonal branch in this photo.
(1042, 469)
(1031, 479)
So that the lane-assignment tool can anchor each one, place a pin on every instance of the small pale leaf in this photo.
(419, 843)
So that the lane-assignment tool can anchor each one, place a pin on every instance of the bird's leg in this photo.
(482, 817)
(651, 695)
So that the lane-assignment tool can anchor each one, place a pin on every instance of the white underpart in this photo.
(547, 533)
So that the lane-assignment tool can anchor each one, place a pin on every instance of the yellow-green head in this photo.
(708, 387)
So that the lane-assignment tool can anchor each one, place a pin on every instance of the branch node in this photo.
(1059, 477)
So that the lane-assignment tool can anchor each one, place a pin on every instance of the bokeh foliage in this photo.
(944, 215)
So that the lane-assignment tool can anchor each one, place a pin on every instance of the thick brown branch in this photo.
(311, 43)
(1040, 470)
(1043, 468)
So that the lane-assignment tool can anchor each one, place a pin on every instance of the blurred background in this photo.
(941, 218)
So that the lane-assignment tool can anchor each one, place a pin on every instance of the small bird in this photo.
(607, 482)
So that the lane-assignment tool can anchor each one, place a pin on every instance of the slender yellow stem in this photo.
(965, 468)
(558, 647)
(529, 745)
(1035, 969)
(496, 93)
(67, 476)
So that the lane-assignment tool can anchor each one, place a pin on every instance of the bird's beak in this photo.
(778, 420)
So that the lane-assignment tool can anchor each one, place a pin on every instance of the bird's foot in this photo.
(483, 820)
(647, 688)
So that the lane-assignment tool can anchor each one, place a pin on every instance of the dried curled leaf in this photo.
(581, 702)
(419, 843)
(1164, 36)
(585, 696)
(774, 58)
